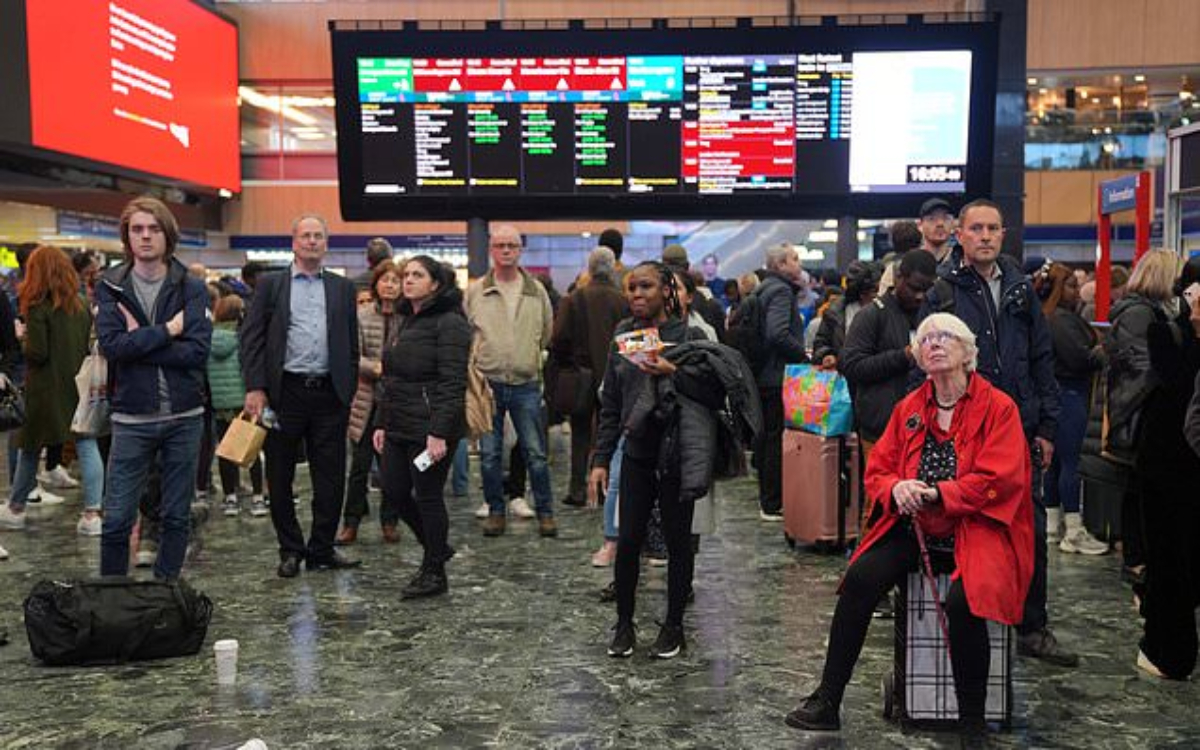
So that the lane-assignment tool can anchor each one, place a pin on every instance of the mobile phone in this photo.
(1191, 293)
(423, 461)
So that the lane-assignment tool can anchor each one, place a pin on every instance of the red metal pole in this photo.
(1142, 230)
(1104, 262)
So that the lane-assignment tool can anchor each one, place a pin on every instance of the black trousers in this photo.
(768, 454)
(1172, 591)
(880, 568)
(360, 474)
(231, 472)
(640, 486)
(315, 417)
(418, 495)
(208, 449)
(583, 431)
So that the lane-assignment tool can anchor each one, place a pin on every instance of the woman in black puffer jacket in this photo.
(421, 410)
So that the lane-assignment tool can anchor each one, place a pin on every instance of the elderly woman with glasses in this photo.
(953, 463)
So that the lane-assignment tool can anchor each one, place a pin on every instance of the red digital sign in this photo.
(149, 85)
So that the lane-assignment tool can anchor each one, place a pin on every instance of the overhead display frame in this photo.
(661, 122)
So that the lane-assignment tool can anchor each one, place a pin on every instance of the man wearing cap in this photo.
(936, 223)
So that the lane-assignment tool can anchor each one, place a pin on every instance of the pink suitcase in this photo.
(821, 489)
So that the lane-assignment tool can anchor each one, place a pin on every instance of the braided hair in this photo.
(666, 279)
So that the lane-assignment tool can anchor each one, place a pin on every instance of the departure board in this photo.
(655, 130)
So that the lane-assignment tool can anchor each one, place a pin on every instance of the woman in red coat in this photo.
(954, 461)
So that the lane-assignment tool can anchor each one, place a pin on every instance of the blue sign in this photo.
(1119, 194)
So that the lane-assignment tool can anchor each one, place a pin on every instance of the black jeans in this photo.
(768, 454)
(1172, 590)
(360, 474)
(418, 495)
(640, 486)
(880, 568)
(208, 449)
(1036, 617)
(231, 472)
(316, 418)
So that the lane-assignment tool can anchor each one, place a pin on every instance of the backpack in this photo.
(746, 334)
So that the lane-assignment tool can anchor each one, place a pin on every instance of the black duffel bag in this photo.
(114, 620)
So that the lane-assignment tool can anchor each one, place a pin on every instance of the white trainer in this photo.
(41, 497)
(483, 510)
(89, 525)
(58, 478)
(10, 520)
(3, 553)
(1081, 542)
(1148, 666)
(521, 509)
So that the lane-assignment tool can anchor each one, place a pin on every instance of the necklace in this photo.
(946, 407)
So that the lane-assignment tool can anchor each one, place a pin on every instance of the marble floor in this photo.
(515, 656)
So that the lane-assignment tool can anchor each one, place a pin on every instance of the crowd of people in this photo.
(974, 381)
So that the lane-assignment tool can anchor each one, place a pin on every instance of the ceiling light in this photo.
(1083, 93)
(274, 104)
(1139, 78)
(1031, 81)
(1042, 91)
(310, 136)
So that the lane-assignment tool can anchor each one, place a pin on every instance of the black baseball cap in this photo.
(935, 204)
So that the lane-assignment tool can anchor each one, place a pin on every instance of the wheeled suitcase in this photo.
(821, 489)
(920, 688)
(1102, 488)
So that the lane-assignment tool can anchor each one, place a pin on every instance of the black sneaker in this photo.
(669, 643)
(1041, 644)
(429, 581)
(884, 609)
(609, 592)
(816, 713)
(623, 642)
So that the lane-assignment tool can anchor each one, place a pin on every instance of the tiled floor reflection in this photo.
(514, 656)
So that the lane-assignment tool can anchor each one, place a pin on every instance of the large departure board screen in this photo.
(563, 124)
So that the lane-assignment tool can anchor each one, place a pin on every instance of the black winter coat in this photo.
(782, 327)
(424, 384)
(1163, 450)
(1075, 355)
(876, 364)
(1015, 350)
(1129, 377)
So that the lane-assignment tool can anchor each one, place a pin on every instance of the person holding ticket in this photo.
(421, 412)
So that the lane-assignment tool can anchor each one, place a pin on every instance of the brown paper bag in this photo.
(242, 441)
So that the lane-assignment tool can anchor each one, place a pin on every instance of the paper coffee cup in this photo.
(226, 653)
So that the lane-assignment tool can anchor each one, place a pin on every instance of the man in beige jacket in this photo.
(511, 314)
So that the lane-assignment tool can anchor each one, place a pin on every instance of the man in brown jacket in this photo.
(581, 341)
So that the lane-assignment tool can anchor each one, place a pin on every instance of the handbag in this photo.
(93, 412)
(12, 404)
(816, 401)
(480, 402)
(114, 620)
(243, 441)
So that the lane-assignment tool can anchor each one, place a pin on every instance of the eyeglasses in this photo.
(941, 338)
(506, 245)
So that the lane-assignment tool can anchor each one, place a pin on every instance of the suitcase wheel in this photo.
(791, 543)
(888, 688)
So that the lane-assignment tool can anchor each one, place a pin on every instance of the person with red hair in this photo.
(57, 323)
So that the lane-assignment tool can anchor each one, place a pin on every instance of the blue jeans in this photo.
(460, 470)
(524, 403)
(1062, 481)
(91, 472)
(613, 496)
(24, 478)
(135, 447)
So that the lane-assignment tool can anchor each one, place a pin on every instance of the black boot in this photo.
(972, 733)
(430, 580)
(816, 713)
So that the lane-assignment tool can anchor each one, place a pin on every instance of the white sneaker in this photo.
(58, 478)
(483, 511)
(231, 506)
(3, 553)
(258, 506)
(146, 555)
(1083, 543)
(43, 497)
(521, 509)
(10, 520)
(89, 525)
(770, 517)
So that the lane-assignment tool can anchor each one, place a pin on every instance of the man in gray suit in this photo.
(300, 355)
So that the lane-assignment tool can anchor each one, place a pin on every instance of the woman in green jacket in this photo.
(57, 323)
(228, 392)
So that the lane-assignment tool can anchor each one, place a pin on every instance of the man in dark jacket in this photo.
(154, 328)
(862, 285)
(300, 355)
(998, 303)
(783, 344)
(675, 257)
(878, 352)
(583, 334)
